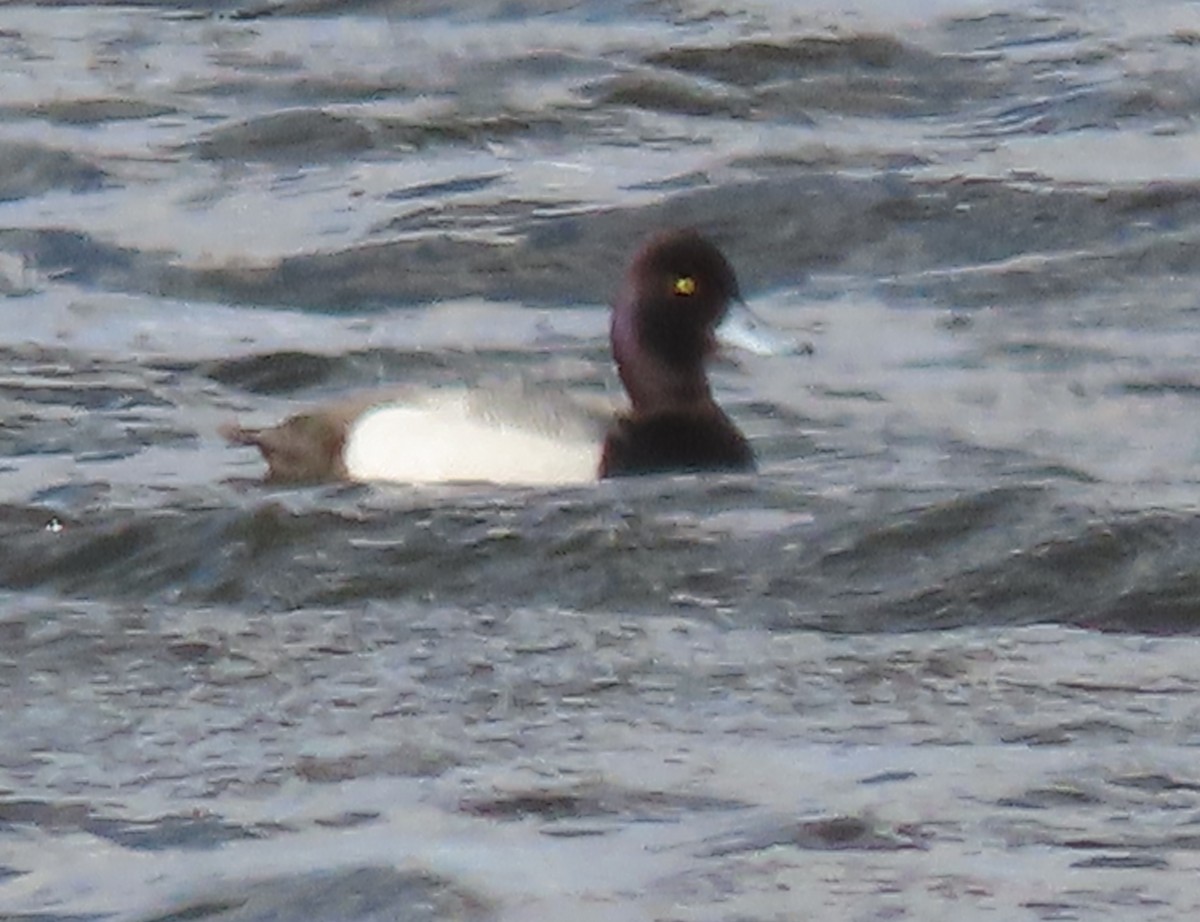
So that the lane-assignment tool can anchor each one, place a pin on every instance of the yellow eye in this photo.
(685, 285)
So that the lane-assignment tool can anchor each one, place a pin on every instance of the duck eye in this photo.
(684, 285)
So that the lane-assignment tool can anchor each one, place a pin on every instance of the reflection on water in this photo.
(937, 656)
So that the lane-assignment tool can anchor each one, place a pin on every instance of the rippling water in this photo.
(937, 660)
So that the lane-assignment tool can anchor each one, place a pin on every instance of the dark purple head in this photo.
(676, 291)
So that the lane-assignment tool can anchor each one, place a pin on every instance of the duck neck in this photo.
(657, 382)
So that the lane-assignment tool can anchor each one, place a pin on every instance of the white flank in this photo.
(444, 442)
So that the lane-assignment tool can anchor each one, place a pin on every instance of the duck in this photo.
(676, 291)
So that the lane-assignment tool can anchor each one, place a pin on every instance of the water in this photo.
(937, 660)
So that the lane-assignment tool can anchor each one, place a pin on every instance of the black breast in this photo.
(675, 441)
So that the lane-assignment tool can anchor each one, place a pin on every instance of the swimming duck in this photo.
(676, 291)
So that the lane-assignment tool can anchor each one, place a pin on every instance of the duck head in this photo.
(677, 290)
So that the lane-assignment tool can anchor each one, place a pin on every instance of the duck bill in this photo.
(743, 330)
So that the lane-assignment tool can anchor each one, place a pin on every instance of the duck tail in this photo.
(239, 435)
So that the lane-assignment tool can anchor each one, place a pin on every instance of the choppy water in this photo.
(939, 660)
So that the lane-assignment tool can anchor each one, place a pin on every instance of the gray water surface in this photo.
(937, 660)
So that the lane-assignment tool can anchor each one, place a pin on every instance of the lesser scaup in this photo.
(678, 288)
